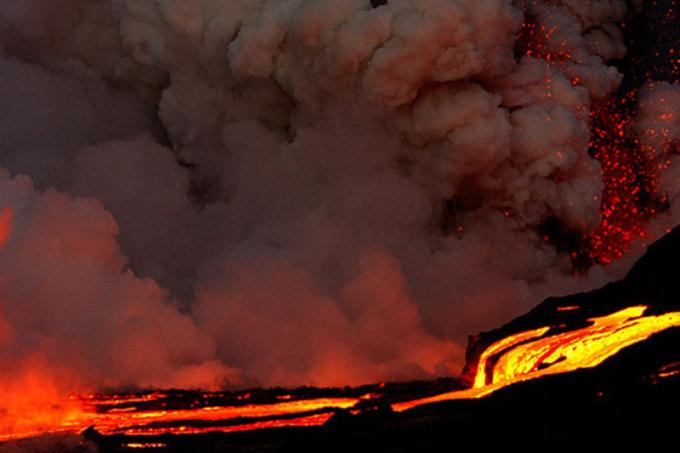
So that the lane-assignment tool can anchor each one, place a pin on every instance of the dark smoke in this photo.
(283, 192)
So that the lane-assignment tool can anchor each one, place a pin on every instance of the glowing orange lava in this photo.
(297, 413)
(516, 358)
(535, 353)
(94, 411)
(31, 405)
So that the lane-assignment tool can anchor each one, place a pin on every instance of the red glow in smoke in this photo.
(631, 194)
(6, 216)
(534, 42)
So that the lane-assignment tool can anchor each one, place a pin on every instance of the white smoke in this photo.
(303, 239)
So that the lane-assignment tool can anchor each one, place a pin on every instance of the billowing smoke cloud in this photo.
(66, 293)
(284, 192)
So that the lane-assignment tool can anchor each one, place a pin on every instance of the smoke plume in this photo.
(222, 193)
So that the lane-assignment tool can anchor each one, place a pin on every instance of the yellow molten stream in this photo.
(582, 348)
(534, 353)
(179, 421)
(499, 346)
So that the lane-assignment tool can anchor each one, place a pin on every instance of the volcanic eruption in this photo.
(219, 195)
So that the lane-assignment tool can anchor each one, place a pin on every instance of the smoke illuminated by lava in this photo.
(211, 193)
(516, 358)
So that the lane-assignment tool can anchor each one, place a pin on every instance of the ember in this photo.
(631, 195)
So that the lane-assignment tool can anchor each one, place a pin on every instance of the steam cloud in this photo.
(206, 193)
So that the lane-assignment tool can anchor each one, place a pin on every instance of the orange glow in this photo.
(32, 407)
(582, 348)
(137, 445)
(134, 422)
(87, 411)
(670, 370)
(303, 421)
(466, 394)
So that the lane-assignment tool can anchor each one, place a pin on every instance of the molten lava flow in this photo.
(246, 417)
(30, 404)
(118, 415)
(582, 348)
(503, 345)
(535, 353)
(516, 358)
(137, 445)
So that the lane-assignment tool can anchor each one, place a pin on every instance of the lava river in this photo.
(519, 357)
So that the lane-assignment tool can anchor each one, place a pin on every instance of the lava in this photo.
(32, 405)
(103, 413)
(582, 348)
(296, 413)
(137, 445)
(540, 352)
(516, 358)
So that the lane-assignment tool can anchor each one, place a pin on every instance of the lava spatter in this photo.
(631, 193)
